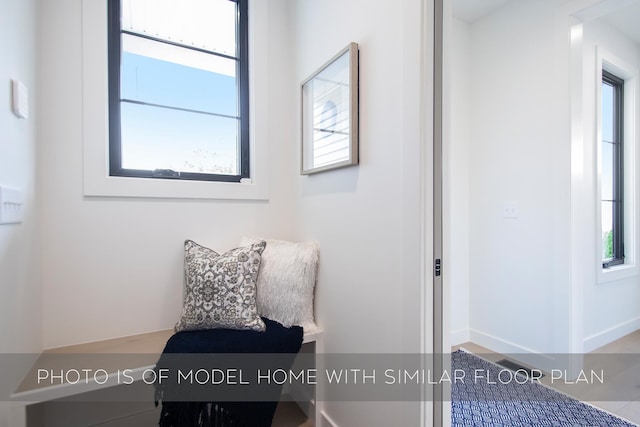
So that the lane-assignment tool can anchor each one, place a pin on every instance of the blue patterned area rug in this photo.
(479, 399)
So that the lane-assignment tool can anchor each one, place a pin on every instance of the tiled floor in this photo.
(628, 374)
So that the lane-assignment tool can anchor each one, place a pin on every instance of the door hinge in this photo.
(437, 267)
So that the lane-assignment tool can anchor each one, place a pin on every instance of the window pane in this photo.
(607, 230)
(205, 24)
(607, 112)
(162, 74)
(606, 179)
(160, 138)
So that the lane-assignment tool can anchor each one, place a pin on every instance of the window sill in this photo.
(617, 272)
(98, 185)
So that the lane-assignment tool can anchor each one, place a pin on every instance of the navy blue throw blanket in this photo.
(219, 377)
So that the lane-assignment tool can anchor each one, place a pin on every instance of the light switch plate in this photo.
(11, 205)
(20, 95)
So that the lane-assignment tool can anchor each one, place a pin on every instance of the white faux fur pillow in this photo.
(286, 281)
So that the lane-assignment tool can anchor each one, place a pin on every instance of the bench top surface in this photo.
(134, 352)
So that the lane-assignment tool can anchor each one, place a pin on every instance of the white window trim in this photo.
(97, 181)
(608, 61)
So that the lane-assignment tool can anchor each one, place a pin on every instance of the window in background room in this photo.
(178, 89)
(612, 173)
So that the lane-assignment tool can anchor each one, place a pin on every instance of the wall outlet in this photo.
(11, 205)
(510, 210)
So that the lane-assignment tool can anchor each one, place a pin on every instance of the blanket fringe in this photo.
(196, 414)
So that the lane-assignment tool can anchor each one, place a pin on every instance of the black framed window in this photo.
(178, 89)
(612, 171)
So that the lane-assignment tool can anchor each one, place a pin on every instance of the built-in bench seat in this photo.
(136, 353)
(106, 363)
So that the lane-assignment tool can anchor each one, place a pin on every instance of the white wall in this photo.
(518, 152)
(112, 266)
(611, 309)
(20, 303)
(367, 218)
(20, 271)
(458, 179)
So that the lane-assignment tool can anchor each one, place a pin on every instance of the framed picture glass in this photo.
(330, 114)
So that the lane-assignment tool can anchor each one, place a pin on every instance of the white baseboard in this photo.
(599, 339)
(325, 421)
(495, 344)
(517, 352)
(304, 396)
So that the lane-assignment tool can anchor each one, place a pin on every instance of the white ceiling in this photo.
(626, 19)
(624, 15)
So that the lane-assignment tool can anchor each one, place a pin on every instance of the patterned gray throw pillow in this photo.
(220, 290)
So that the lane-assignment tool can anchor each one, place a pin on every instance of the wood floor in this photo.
(629, 344)
(289, 414)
